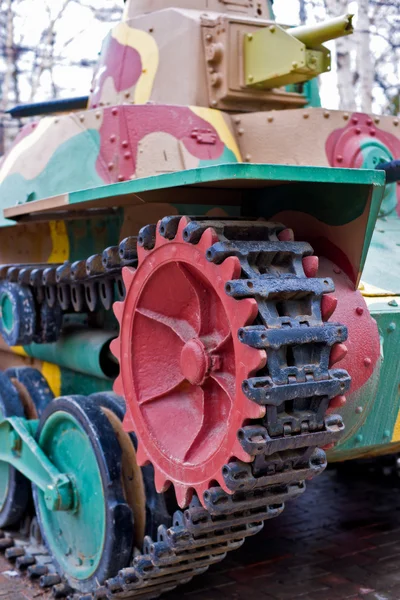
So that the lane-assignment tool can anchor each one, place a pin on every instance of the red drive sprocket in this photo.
(182, 364)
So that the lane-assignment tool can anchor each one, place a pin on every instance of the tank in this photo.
(198, 298)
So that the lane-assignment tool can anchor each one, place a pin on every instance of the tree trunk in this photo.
(336, 8)
(364, 61)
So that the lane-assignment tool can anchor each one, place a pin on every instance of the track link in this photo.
(296, 387)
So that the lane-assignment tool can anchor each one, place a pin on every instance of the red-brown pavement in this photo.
(340, 540)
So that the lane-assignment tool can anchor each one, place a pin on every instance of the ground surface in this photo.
(340, 540)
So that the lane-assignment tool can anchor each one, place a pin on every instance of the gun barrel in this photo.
(315, 35)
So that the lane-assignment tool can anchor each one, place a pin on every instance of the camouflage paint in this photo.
(106, 146)
(379, 432)
(362, 144)
(127, 68)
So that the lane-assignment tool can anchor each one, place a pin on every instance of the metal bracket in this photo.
(19, 448)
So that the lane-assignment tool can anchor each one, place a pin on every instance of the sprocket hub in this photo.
(182, 363)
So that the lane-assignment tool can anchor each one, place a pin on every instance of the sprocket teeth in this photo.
(118, 308)
(128, 274)
(115, 348)
(208, 238)
(160, 481)
(183, 495)
(338, 353)
(141, 456)
(253, 410)
(286, 235)
(118, 387)
(310, 266)
(247, 311)
(160, 239)
(254, 359)
(222, 483)
(336, 402)
(239, 453)
(230, 268)
(184, 222)
(142, 253)
(328, 306)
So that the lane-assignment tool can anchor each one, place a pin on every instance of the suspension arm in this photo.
(18, 447)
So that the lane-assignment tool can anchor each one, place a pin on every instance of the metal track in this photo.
(295, 386)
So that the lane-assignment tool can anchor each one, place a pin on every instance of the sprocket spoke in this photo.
(214, 324)
(171, 299)
(158, 360)
(217, 406)
(176, 419)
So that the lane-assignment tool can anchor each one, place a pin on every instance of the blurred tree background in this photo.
(48, 49)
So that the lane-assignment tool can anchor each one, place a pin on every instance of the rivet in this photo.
(337, 270)
(354, 120)
(339, 158)
(295, 64)
(121, 178)
(214, 103)
(377, 120)
(237, 120)
(125, 143)
(386, 433)
(127, 94)
(395, 122)
(56, 121)
(369, 121)
(359, 438)
(367, 361)
(151, 29)
(392, 327)
(249, 36)
(248, 157)
(305, 115)
(250, 77)
(372, 132)
(114, 111)
(110, 166)
(113, 138)
(359, 310)
(98, 114)
(392, 303)
(270, 118)
(359, 410)
(346, 116)
(81, 118)
(358, 130)
(327, 114)
(127, 155)
(209, 37)
(240, 131)
(272, 28)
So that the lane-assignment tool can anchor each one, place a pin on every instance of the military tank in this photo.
(199, 300)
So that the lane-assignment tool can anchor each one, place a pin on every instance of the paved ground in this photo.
(340, 540)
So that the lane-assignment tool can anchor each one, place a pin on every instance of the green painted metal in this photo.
(73, 383)
(6, 311)
(315, 35)
(78, 549)
(86, 351)
(4, 482)
(19, 449)
(382, 269)
(378, 429)
(237, 175)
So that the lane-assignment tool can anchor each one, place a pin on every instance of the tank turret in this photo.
(219, 54)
